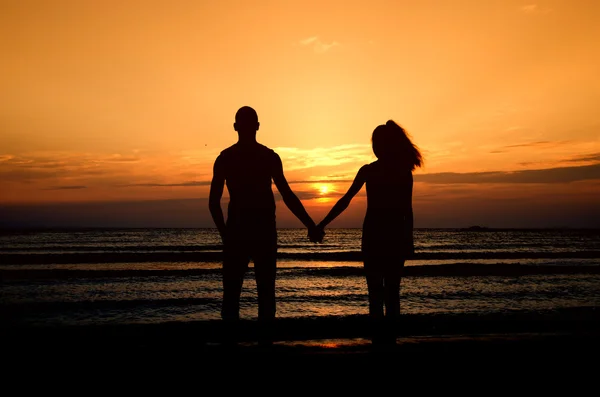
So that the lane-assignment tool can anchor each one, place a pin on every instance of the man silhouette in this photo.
(247, 168)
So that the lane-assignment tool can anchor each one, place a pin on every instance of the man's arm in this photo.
(214, 199)
(289, 198)
(409, 223)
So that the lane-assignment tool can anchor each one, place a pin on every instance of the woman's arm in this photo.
(343, 203)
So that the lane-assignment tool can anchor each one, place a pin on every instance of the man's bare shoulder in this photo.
(266, 150)
(257, 151)
(231, 149)
(236, 147)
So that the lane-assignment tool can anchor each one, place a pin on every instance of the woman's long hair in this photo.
(392, 142)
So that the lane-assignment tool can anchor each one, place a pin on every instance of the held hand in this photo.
(321, 232)
(316, 234)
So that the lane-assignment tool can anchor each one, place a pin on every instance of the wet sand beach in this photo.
(570, 336)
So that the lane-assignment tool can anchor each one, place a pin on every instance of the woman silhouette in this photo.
(387, 236)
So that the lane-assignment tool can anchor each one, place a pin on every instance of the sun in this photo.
(324, 190)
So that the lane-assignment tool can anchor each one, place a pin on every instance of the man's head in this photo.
(246, 120)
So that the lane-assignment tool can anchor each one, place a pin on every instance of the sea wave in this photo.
(217, 256)
(447, 270)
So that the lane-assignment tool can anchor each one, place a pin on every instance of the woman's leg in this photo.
(376, 299)
(392, 280)
(375, 289)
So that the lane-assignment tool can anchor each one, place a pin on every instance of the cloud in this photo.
(207, 183)
(318, 46)
(71, 187)
(30, 167)
(181, 184)
(76, 168)
(587, 157)
(139, 213)
(539, 143)
(546, 144)
(301, 194)
(297, 159)
(529, 144)
(320, 181)
(550, 175)
(338, 176)
(535, 9)
(118, 158)
(24, 175)
(529, 8)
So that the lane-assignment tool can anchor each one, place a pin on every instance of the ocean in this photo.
(141, 276)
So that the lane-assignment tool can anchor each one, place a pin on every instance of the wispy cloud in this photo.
(529, 8)
(549, 144)
(339, 176)
(72, 187)
(320, 181)
(318, 46)
(587, 157)
(180, 184)
(301, 194)
(138, 213)
(118, 158)
(28, 168)
(85, 169)
(549, 175)
(529, 144)
(297, 159)
(207, 183)
(535, 9)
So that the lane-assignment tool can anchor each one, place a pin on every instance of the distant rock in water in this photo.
(477, 228)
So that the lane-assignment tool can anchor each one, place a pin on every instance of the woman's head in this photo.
(391, 142)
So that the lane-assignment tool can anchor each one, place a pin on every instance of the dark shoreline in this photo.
(577, 320)
(328, 352)
(504, 348)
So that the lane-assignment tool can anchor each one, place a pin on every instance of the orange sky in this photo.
(110, 105)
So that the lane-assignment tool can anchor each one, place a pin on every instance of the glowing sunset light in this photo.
(324, 189)
(110, 109)
(324, 193)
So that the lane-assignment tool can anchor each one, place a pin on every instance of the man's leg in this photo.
(265, 267)
(235, 265)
